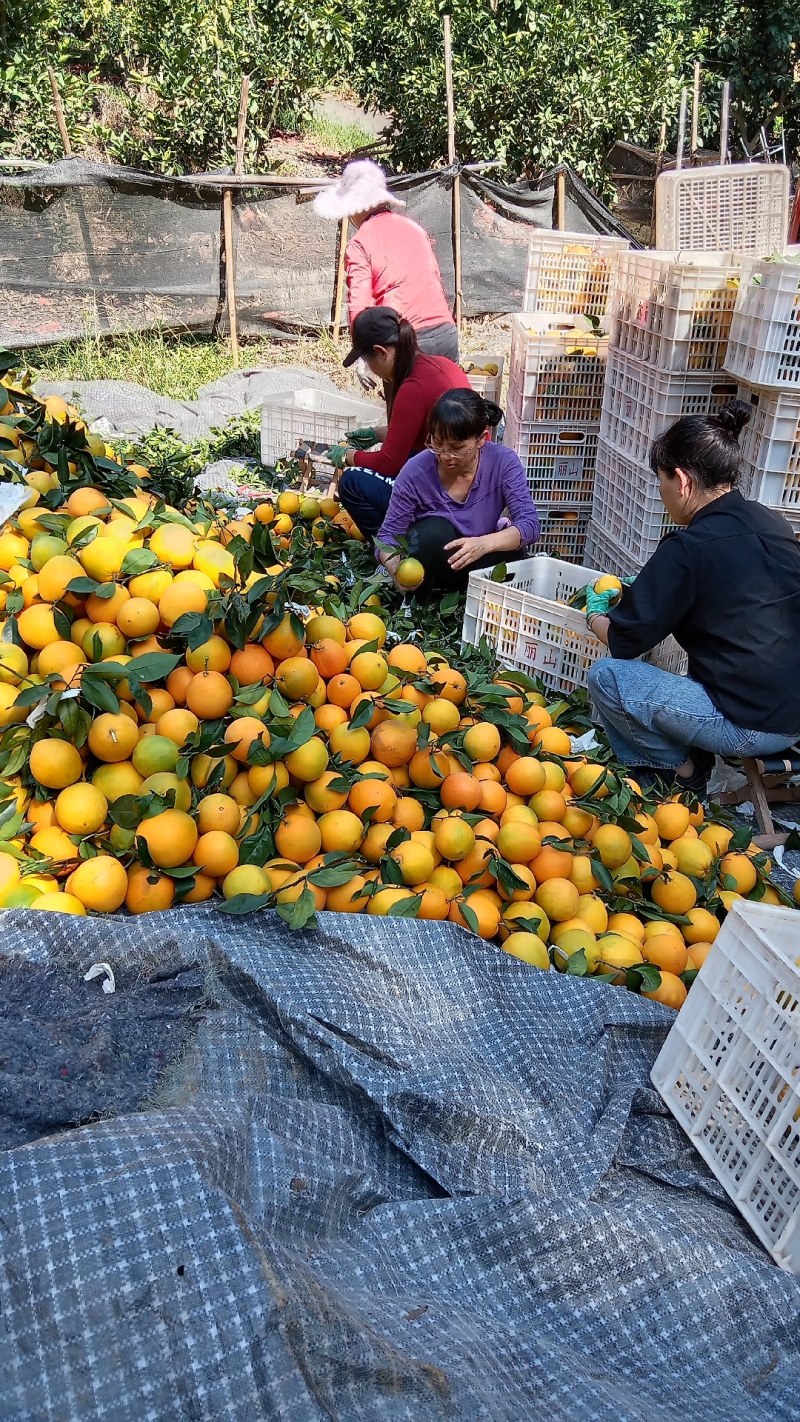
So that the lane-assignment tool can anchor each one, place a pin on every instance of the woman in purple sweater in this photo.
(448, 503)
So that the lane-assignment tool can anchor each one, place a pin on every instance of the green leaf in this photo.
(85, 587)
(407, 908)
(469, 915)
(645, 977)
(126, 811)
(196, 627)
(302, 913)
(95, 691)
(577, 964)
(153, 666)
(245, 903)
(332, 876)
(137, 561)
(278, 706)
(32, 695)
(391, 872)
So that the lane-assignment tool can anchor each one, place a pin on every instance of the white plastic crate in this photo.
(603, 552)
(557, 369)
(559, 461)
(530, 627)
(770, 446)
(302, 419)
(562, 531)
(740, 207)
(627, 504)
(641, 401)
(571, 271)
(485, 384)
(674, 309)
(730, 1071)
(764, 346)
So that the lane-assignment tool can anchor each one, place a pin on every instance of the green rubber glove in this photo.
(337, 454)
(600, 602)
(363, 438)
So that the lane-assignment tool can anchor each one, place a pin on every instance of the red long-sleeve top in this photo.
(430, 377)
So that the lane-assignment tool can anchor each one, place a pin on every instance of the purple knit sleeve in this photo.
(518, 501)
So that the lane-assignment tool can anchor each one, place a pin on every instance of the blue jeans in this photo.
(366, 497)
(654, 718)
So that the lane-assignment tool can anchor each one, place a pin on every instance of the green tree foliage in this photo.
(540, 81)
(156, 82)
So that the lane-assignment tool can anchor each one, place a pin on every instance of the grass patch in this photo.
(335, 136)
(177, 365)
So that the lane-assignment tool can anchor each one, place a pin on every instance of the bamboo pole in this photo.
(681, 132)
(695, 110)
(561, 201)
(724, 121)
(60, 120)
(227, 222)
(451, 158)
(338, 295)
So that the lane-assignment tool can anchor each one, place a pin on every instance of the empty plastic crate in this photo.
(764, 346)
(641, 401)
(730, 1071)
(675, 310)
(770, 446)
(627, 504)
(559, 462)
(531, 628)
(603, 552)
(487, 385)
(740, 207)
(298, 419)
(557, 370)
(571, 271)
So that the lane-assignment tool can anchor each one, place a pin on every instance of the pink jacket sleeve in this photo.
(358, 273)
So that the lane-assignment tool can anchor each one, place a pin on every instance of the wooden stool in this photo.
(767, 783)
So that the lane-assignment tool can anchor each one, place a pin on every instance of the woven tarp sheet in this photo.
(393, 1174)
(86, 248)
(121, 408)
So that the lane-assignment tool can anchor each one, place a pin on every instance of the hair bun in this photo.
(494, 414)
(732, 418)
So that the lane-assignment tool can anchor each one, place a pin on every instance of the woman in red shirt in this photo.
(413, 382)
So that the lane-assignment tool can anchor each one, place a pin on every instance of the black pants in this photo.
(426, 541)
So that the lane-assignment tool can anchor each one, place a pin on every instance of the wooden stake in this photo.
(60, 120)
(561, 201)
(451, 158)
(227, 222)
(695, 109)
(724, 122)
(681, 132)
(338, 295)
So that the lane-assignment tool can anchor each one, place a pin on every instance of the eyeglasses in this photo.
(439, 447)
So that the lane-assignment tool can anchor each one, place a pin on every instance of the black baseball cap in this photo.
(377, 326)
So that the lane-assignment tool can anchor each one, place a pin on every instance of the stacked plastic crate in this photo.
(556, 377)
(671, 319)
(764, 355)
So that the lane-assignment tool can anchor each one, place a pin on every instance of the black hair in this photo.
(706, 446)
(405, 344)
(462, 414)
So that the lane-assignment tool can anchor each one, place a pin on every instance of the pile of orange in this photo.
(320, 763)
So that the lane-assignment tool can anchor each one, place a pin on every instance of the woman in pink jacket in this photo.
(389, 260)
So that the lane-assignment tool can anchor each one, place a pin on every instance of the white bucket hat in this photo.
(361, 188)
